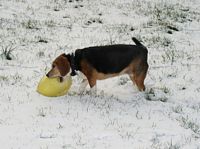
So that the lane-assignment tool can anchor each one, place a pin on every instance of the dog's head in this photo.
(60, 67)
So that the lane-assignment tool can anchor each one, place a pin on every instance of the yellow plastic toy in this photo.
(52, 87)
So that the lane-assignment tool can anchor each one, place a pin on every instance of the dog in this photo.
(102, 62)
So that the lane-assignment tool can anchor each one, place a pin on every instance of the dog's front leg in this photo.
(93, 86)
(83, 85)
(91, 79)
(93, 90)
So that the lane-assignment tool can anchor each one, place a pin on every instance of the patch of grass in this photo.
(170, 55)
(22, 1)
(124, 28)
(157, 144)
(30, 24)
(7, 52)
(156, 41)
(41, 39)
(94, 20)
(165, 15)
(16, 79)
(150, 94)
(177, 109)
(173, 146)
(123, 80)
(4, 78)
(196, 107)
(169, 12)
(189, 124)
(162, 41)
(50, 23)
(40, 54)
(41, 112)
(112, 39)
(157, 94)
(78, 6)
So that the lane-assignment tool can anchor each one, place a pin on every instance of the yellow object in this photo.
(52, 87)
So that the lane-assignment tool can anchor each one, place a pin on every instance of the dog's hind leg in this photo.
(140, 76)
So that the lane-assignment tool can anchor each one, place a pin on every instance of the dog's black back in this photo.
(111, 58)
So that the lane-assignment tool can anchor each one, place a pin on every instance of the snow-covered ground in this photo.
(166, 116)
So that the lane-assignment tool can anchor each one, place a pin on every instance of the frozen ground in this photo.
(166, 116)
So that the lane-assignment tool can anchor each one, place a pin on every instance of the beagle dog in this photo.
(102, 62)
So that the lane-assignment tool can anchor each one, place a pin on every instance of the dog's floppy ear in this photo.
(63, 65)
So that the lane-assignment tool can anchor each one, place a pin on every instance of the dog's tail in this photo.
(137, 42)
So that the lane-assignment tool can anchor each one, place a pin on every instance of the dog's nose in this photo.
(47, 75)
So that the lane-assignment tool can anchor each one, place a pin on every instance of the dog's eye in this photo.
(53, 66)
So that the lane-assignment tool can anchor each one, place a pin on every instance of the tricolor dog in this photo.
(102, 62)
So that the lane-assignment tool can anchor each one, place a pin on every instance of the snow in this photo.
(120, 116)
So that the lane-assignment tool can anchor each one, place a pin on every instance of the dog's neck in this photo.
(73, 65)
